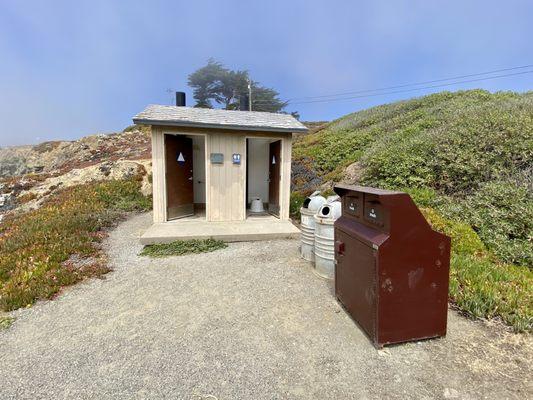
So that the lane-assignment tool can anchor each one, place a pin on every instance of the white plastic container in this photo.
(307, 212)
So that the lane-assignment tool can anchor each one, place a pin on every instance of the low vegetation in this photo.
(5, 322)
(480, 284)
(57, 245)
(466, 156)
(182, 247)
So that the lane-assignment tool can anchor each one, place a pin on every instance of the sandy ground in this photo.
(248, 322)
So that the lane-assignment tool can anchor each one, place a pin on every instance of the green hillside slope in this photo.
(467, 158)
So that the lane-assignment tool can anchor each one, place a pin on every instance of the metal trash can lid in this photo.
(313, 202)
(331, 210)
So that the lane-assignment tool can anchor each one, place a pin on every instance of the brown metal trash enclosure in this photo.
(392, 269)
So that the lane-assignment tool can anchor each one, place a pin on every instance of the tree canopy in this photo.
(214, 84)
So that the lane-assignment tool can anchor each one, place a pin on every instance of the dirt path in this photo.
(248, 322)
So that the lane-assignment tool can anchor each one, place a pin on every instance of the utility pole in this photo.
(171, 95)
(249, 95)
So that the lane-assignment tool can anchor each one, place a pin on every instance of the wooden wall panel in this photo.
(227, 179)
(225, 183)
(285, 184)
(158, 175)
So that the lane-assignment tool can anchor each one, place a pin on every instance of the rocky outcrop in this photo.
(30, 174)
(62, 156)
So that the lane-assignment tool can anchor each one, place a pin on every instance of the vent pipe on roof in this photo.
(243, 102)
(180, 99)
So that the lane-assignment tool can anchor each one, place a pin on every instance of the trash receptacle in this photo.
(324, 238)
(392, 269)
(307, 212)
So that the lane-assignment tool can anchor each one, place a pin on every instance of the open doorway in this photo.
(185, 176)
(263, 169)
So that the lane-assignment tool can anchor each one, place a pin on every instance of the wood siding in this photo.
(285, 188)
(225, 183)
(158, 176)
(226, 190)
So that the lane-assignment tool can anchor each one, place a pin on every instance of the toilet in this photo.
(257, 205)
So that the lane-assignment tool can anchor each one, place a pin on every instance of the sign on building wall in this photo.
(217, 158)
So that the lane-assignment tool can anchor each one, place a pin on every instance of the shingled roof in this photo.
(220, 119)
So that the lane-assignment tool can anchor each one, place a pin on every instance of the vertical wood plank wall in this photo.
(226, 194)
(158, 175)
(225, 183)
(285, 184)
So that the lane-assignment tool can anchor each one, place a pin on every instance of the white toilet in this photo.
(257, 205)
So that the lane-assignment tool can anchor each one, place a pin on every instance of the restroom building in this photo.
(210, 165)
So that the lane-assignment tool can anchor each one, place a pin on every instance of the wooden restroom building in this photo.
(209, 165)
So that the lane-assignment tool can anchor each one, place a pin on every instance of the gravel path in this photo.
(248, 322)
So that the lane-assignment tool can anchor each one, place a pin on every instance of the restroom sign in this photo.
(236, 158)
(273, 160)
(180, 158)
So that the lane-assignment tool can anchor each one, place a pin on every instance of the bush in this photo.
(296, 202)
(423, 197)
(502, 214)
(480, 285)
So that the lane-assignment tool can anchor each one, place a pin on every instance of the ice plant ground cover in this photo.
(57, 244)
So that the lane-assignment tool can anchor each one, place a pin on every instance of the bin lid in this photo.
(331, 210)
(340, 189)
(313, 203)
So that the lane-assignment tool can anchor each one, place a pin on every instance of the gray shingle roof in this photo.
(216, 118)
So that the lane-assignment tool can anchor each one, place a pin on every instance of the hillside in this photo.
(31, 174)
(467, 159)
(464, 148)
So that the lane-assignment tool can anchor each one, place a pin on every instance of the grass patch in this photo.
(182, 247)
(481, 285)
(36, 247)
(6, 322)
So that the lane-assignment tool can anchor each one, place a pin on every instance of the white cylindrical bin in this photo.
(325, 239)
(307, 212)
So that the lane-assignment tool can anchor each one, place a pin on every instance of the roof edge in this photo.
(216, 126)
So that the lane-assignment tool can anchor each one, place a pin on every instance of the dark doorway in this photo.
(179, 176)
(274, 171)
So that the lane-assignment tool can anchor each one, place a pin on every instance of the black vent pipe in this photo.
(180, 99)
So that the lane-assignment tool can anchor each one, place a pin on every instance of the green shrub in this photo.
(122, 195)
(502, 214)
(296, 202)
(480, 285)
(464, 239)
(182, 247)
(423, 197)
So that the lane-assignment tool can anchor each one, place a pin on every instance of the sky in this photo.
(73, 68)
